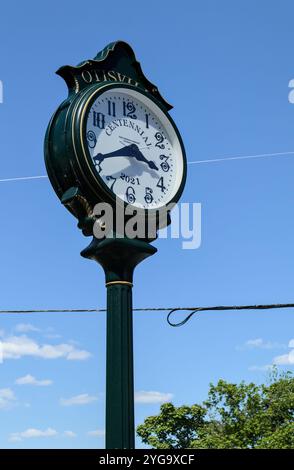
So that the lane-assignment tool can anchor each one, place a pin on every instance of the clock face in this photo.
(134, 148)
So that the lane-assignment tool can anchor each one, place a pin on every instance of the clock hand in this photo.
(140, 148)
(123, 152)
(141, 158)
(128, 141)
(128, 151)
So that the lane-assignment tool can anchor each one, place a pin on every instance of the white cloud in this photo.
(32, 433)
(259, 343)
(31, 380)
(83, 399)
(281, 360)
(77, 354)
(285, 359)
(260, 368)
(97, 433)
(70, 434)
(7, 398)
(52, 336)
(152, 397)
(15, 347)
(254, 343)
(25, 328)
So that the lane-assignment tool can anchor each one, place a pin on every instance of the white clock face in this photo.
(134, 148)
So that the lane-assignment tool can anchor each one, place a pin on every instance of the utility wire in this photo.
(242, 157)
(22, 178)
(93, 310)
(214, 160)
(171, 310)
(222, 308)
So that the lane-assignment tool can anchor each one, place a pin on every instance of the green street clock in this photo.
(112, 140)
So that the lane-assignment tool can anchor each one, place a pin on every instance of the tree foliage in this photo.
(234, 416)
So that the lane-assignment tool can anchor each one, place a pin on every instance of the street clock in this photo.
(112, 140)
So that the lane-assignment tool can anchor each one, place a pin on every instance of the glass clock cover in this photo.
(134, 148)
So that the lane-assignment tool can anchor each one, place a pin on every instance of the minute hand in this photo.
(128, 151)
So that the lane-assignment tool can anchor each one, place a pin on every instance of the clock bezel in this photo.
(79, 128)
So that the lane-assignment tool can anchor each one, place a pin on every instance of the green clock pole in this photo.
(73, 164)
(119, 257)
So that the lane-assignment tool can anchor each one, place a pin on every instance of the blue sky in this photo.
(225, 66)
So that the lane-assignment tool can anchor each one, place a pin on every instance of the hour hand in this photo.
(139, 156)
(127, 151)
(123, 152)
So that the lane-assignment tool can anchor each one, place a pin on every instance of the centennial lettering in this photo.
(116, 123)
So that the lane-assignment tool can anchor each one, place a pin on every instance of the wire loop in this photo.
(181, 323)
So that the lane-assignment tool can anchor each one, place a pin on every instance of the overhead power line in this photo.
(242, 157)
(22, 178)
(171, 310)
(223, 308)
(211, 160)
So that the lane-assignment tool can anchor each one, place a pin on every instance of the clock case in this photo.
(68, 163)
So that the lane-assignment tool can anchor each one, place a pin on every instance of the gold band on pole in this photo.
(126, 283)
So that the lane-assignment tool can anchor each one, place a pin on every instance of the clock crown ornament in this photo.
(115, 63)
(113, 141)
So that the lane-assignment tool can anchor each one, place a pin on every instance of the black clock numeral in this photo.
(130, 195)
(97, 162)
(147, 120)
(98, 120)
(164, 165)
(159, 137)
(129, 110)
(111, 108)
(160, 185)
(91, 138)
(111, 178)
(148, 195)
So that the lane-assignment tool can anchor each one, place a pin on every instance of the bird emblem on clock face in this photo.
(134, 147)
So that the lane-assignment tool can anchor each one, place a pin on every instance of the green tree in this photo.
(173, 428)
(244, 416)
